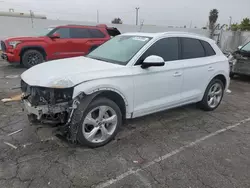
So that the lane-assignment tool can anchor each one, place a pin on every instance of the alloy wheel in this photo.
(214, 95)
(34, 59)
(99, 124)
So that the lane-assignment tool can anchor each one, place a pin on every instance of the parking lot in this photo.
(184, 147)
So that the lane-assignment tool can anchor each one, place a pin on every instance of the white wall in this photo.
(12, 26)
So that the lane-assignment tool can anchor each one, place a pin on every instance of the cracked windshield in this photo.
(124, 94)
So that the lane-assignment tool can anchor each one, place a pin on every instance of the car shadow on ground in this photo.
(242, 78)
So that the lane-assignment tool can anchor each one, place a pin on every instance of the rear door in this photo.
(85, 39)
(199, 60)
(98, 37)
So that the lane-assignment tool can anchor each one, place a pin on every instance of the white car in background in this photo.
(129, 76)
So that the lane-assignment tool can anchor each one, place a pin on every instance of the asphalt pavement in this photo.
(184, 147)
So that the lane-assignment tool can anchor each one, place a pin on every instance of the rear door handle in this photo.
(210, 68)
(177, 74)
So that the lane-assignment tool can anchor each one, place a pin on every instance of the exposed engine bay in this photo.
(48, 105)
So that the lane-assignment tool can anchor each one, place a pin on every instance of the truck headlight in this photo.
(14, 43)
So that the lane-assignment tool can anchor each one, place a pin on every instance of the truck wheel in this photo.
(99, 123)
(31, 58)
(213, 95)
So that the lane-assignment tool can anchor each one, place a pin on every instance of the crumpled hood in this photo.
(75, 70)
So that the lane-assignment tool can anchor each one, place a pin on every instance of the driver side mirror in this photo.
(55, 36)
(153, 61)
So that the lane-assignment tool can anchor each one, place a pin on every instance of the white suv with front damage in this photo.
(129, 76)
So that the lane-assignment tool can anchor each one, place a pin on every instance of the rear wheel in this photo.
(213, 95)
(100, 123)
(31, 58)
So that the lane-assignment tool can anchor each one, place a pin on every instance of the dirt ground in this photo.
(184, 147)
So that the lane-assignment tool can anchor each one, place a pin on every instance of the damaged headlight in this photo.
(43, 95)
(63, 83)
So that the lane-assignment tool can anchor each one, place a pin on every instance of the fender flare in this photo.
(32, 47)
(99, 90)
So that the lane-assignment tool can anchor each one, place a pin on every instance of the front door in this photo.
(60, 47)
(158, 88)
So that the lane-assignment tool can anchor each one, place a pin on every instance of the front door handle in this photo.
(177, 74)
(210, 68)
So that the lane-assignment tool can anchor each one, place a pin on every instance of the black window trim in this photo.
(165, 37)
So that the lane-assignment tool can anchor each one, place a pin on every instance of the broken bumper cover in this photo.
(41, 110)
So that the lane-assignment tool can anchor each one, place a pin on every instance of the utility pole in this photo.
(191, 23)
(230, 22)
(137, 11)
(97, 16)
(31, 17)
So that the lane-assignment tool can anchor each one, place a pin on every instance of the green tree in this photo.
(116, 21)
(245, 24)
(234, 27)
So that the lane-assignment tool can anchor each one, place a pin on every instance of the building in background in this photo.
(30, 14)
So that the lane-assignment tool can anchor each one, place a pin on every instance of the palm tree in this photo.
(213, 16)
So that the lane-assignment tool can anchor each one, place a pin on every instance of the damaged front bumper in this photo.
(42, 110)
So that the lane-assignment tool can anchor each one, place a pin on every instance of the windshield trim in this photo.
(124, 63)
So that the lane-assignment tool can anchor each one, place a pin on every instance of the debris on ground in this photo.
(11, 145)
(28, 144)
(140, 161)
(15, 132)
(14, 98)
(229, 91)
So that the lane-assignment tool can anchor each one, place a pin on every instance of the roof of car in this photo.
(170, 33)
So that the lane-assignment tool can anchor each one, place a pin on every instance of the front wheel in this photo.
(100, 123)
(31, 58)
(213, 95)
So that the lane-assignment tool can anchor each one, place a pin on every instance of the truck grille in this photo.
(3, 46)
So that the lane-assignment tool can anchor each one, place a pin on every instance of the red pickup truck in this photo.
(58, 42)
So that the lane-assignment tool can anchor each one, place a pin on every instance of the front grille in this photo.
(42, 95)
(3, 46)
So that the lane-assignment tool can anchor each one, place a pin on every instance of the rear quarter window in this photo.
(95, 33)
(208, 48)
(192, 48)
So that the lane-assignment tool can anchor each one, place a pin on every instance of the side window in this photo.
(79, 33)
(95, 33)
(192, 48)
(208, 48)
(63, 32)
(167, 48)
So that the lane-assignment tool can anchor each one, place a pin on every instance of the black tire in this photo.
(204, 103)
(95, 103)
(31, 58)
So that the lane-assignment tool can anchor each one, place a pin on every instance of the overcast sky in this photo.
(156, 12)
